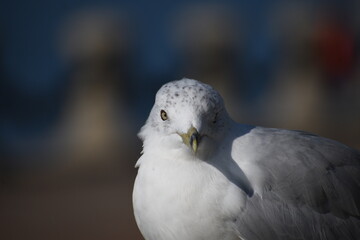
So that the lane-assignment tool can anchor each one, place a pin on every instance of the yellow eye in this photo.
(163, 115)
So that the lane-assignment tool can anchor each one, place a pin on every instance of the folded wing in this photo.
(306, 187)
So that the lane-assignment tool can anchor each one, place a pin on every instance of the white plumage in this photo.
(204, 177)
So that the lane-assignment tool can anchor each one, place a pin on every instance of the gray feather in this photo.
(311, 192)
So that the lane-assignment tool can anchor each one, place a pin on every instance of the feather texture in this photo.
(309, 187)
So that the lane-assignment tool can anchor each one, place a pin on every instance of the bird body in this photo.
(168, 196)
(204, 176)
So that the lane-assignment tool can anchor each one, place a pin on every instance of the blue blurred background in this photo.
(78, 79)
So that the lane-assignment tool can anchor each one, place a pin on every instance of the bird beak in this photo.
(191, 138)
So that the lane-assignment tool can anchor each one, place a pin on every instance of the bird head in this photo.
(187, 115)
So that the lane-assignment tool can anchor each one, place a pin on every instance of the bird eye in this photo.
(163, 115)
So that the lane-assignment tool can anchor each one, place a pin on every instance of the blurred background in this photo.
(78, 79)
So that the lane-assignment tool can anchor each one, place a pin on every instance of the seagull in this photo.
(203, 176)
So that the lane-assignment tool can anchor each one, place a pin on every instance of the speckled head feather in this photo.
(188, 92)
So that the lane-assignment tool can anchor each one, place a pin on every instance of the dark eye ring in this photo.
(163, 115)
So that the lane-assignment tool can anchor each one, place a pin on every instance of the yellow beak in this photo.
(191, 138)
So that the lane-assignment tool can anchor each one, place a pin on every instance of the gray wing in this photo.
(310, 187)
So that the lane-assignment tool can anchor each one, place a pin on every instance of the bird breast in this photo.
(180, 199)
